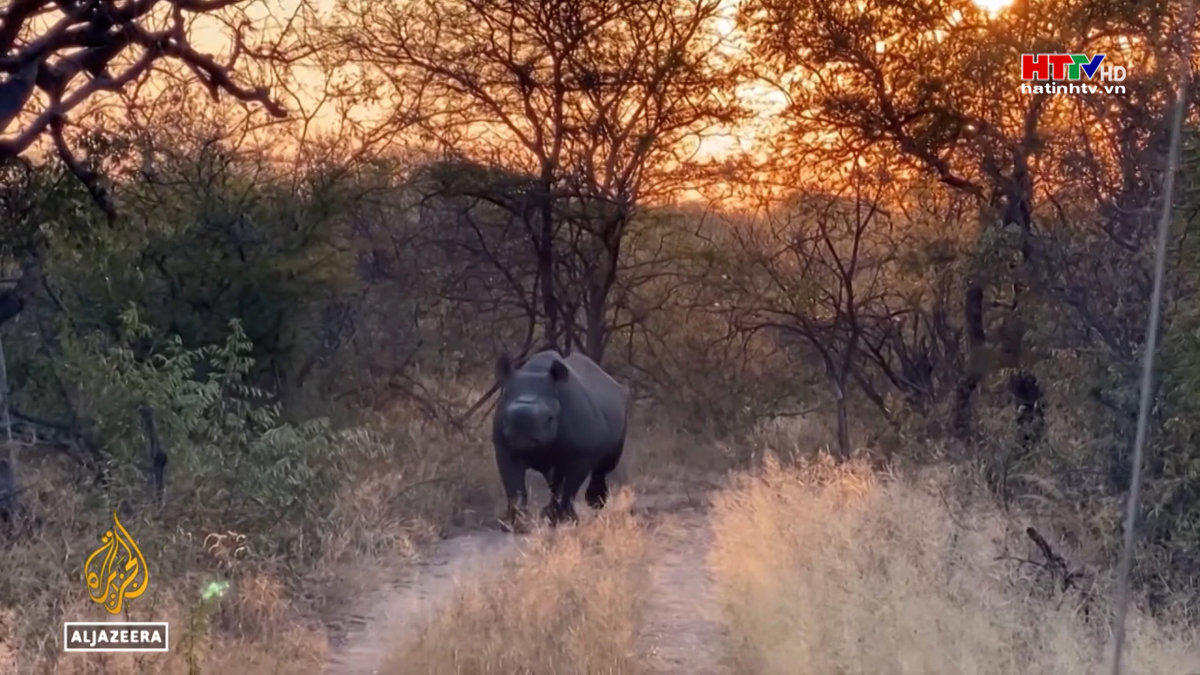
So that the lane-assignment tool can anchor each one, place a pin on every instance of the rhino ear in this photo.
(504, 367)
(558, 371)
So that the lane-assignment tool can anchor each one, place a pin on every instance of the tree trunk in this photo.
(965, 390)
(843, 420)
(545, 258)
(597, 298)
(156, 466)
(9, 474)
(1022, 384)
(596, 330)
(13, 301)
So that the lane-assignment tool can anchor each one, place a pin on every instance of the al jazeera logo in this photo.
(115, 573)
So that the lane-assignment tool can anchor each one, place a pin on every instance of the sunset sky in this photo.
(765, 101)
(211, 35)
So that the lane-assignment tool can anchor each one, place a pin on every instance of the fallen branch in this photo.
(417, 484)
(482, 399)
(518, 362)
(1054, 563)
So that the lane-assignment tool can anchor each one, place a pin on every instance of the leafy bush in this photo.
(238, 464)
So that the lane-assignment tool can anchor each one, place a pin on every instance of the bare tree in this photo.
(596, 100)
(871, 72)
(58, 55)
(816, 276)
(75, 56)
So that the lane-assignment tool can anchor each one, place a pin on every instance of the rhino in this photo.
(565, 418)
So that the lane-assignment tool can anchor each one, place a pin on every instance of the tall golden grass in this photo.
(819, 569)
(822, 569)
(568, 605)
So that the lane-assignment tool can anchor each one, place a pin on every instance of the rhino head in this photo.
(529, 405)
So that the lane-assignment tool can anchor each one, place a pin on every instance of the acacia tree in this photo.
(814, 273)
(938, 81)
(70, 51)
(57, 56)
(597, 100)
(471, 225)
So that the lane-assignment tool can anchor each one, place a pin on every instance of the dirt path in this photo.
(681, 627)
(680, 632)
(404, 610)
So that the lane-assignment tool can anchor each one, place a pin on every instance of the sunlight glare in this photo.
(992, 6)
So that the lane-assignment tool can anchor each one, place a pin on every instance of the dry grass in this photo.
(275, 615)
(568, 605)
(835, 569)
(254, 629)
(828, 570)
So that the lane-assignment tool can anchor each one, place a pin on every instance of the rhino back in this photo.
(607, 399)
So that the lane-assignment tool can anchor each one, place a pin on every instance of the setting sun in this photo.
(993, 6)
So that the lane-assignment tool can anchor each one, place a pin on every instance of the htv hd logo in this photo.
(1068, 67)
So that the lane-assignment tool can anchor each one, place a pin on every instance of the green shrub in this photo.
(233, 463)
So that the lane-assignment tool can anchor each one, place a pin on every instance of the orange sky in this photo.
(764, 101)
(210, 35)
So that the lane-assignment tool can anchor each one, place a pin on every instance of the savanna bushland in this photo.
(881, 311)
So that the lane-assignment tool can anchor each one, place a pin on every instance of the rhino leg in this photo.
(512, 474)
(554, 480)
(572, 480)
(597, 489)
